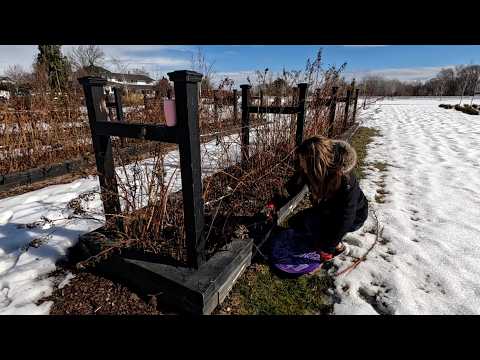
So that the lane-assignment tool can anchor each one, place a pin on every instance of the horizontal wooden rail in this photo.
(273, 109)
(137, 131)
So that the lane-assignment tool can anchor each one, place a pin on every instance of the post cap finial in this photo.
(185, 76)
(245, 86)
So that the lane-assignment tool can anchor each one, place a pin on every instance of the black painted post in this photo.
(109, 100)
(353, 98)
(347, 106)
(118, 103)
(294, 96)
(235, 104)
(261, 98)
(333, 108)
(215, 105)
(317, 97)
(186, 103)
(364, 97)
(302, 94)
(355, 102)
(102, 146)
(117, 94)
(245, 133)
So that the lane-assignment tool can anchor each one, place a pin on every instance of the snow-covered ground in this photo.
(427, 260)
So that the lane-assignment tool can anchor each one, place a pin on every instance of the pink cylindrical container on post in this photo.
(170, 112)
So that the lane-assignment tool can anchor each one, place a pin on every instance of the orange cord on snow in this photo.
(364, 257)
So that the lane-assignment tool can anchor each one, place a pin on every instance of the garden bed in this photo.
(467, 109)
(446, 106)
(234, 198)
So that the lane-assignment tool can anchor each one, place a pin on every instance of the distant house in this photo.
(6, 80)
(7, 85)
(133, 82)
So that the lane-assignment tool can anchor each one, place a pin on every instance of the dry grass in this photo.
(32, 138)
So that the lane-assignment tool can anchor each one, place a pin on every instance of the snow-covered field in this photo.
(428, 259)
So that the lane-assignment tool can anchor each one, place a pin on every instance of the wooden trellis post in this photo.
(108, 101)
(355, 102)
(332, 110)
(215, 105)
(302, 94)
(235, 105)
(118, 103)
(102, 146)
(347, 106)
(245, 133)
(186, 102)
(294, 95)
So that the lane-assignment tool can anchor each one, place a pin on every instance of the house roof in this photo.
(100, 71)
(130, 77)
(96, 69)
(5, 79)
(132, 86)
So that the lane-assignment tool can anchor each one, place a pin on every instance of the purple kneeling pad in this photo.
(292, 252)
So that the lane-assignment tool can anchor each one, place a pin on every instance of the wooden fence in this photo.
(115, 111)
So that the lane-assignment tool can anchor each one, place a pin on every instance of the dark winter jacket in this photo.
(331, 219)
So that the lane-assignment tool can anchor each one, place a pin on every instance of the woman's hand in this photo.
(270, 211)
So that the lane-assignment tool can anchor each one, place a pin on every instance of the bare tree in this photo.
(140, 71)
(475, 89)
(200, 64)
(86, 55)
(464, 77)
(17, 74)
(121, 67)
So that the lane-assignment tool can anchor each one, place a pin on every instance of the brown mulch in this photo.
(90, 294)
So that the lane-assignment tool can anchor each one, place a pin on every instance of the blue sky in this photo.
(404, 62)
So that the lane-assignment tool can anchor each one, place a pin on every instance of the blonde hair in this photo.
(321, 168)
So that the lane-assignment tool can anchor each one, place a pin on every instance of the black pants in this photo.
(315, 227)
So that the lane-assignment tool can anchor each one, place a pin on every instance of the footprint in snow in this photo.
(5, 217)
(377, 299)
